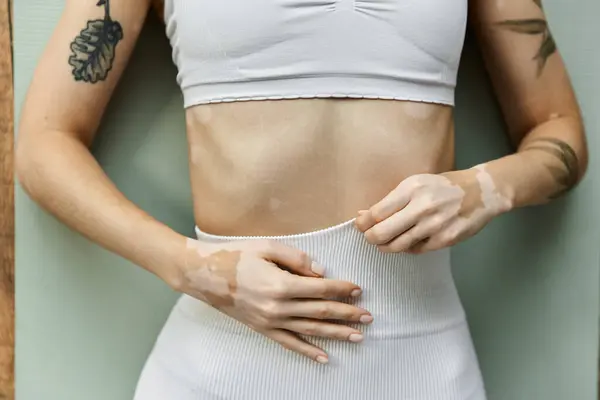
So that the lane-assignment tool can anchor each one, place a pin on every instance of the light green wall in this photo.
(86, 319)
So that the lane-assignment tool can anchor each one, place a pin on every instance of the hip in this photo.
(211, 354)
(417, 348)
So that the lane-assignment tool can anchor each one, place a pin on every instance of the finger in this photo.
(395, 201)
(311, 327)
(424, 229)
(399, 244)
(364, 221)
(418, 248)
(399, 223)
(423, 246)
(293, 259)
(316, 288)
(332, 310)
(292, 342)
(449, 235)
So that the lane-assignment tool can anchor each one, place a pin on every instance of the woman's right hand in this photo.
(274, 289)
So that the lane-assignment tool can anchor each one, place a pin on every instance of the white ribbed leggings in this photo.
(417, 348)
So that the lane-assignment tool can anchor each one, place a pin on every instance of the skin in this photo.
(245, 281)
(290, 166)
(428, 212)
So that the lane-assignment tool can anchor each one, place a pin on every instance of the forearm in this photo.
(549, 161)
(60, 174)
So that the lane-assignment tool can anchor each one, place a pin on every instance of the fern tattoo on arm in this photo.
(534, 26)
(93, 50)
(565, 176)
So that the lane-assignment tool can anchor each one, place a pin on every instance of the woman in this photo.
(321, 152)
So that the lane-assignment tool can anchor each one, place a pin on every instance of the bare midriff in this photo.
(290, 166)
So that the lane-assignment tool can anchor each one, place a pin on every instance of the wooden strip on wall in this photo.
(7, 289)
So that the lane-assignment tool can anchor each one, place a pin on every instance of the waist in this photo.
(282, 167)
(407, 294)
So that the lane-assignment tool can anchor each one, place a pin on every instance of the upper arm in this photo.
(159, 7)
(80, 67)
(524, 65)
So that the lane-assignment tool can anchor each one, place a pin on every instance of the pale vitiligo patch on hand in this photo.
(490, 195)
(431, 211)
(459, 210)
(481, 202)
(214, 275)
(472, 197)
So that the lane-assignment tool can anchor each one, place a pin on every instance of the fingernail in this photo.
(356, 293)
(356, 337)
(322, 359)
(366, 319)
(317, 269)
(361, 212)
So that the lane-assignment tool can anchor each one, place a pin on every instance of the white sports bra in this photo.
(235, 50)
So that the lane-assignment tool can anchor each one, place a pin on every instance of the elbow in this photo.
(581, 148)
(563, 138)
(575, 149)
(30, 161)
(24, 165)
(22, 159)
(42, 158)
(576, 153)
(583, 162)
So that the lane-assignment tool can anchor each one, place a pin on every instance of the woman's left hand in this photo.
(428, 212)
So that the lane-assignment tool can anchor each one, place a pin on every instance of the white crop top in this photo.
(234, 50)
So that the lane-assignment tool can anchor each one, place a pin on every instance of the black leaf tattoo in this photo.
(93, 50)
(534, 26)
(568, 175)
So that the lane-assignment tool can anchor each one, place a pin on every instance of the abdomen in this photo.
(282, 167)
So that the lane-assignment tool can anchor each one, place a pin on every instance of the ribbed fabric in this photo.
(417, 348)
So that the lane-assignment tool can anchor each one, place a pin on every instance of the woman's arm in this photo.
(69, 92)
(536, 98)
(159, 7)
(428, 212)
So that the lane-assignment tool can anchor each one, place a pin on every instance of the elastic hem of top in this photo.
(318, 232)
(352, 87)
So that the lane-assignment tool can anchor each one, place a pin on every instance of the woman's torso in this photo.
(313, 143)
(289, 166)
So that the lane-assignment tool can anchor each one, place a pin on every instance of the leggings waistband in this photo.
(407, 294)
